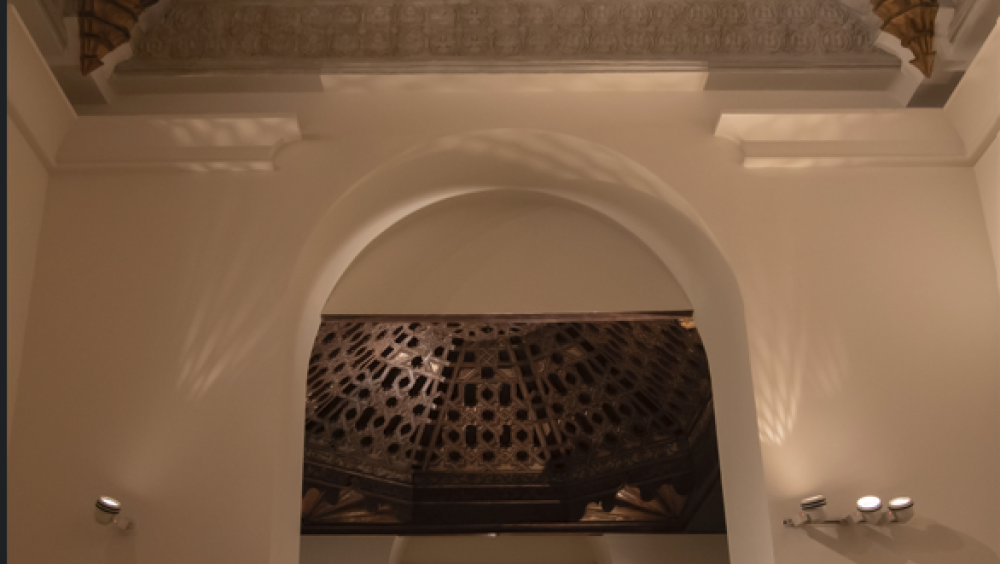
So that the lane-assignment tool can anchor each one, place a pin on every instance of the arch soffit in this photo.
(609, 183)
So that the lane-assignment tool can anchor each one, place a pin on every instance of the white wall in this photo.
(672, 549)
(988, 179)
(523, 549)
(26, 185)
(157, 360)
(506, 253)
(503, 549)
(352, 550)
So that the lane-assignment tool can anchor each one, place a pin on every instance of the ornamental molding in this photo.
(434, 35)
(104, 26)
(912, 22)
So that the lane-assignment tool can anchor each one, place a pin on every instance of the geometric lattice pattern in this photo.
(335, 34)
(407, 411)
(506, 397)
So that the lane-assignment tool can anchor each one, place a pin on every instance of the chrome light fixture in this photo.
(106, 512)
(870, 507)
(868, 510)
(901, 509)
(815, 508)
(106, 509)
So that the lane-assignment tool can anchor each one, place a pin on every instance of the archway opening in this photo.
(608, 184)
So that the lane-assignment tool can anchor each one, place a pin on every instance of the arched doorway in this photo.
(599, 180)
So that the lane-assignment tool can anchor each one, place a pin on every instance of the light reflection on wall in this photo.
(228, 131)
(793, 351)
(234, 310)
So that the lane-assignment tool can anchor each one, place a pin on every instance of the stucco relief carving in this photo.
(803, 32)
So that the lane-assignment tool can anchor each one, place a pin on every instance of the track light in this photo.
(107, 511)
(901, 509)
(867, 510)
(870, 507)
(815, 508)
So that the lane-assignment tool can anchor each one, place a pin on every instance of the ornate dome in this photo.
(428, 420)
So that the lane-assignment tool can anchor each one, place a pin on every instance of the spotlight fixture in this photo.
(867, 510)
(870, 507)
(901, 509)
(815, 508)
(107, 511)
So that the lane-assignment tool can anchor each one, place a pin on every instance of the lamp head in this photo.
(870, 507)
(106, 509)
(815, 508)
(901, 509)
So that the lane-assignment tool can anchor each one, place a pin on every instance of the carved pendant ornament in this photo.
(447, 34)
(104, 25)
(912, 22)
(463, 423)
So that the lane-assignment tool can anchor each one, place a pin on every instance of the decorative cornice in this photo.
(104, 25)
(912, 22)
(442, 35)
(883, 137)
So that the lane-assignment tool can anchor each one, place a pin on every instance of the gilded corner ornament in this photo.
(912, 22)
(105, 25)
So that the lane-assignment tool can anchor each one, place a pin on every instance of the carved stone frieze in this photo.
(332, 34)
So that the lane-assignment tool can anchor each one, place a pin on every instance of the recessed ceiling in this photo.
(460, 424)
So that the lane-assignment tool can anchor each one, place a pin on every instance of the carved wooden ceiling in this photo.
(463, 425)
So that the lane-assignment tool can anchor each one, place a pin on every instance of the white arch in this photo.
(578, 171)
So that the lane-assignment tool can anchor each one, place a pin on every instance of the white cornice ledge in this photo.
(35, 103)
(64, 141)
(844, 138)
(956, 135)
(974, 107)
(199, 143)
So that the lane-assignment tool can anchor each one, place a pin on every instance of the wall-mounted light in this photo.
(870, 507)
(815, 508)
(901, 509)
(107, 511)
(867, 510)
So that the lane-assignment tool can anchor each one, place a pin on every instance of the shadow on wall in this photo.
(932, 543)
(120, 548)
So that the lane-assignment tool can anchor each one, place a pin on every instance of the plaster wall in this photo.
(988, 179)
(356, 550)
(504, 549)
(506, 253)
(27, 179)
(163, 295)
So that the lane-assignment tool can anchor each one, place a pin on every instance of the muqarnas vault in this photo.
(543, 423)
